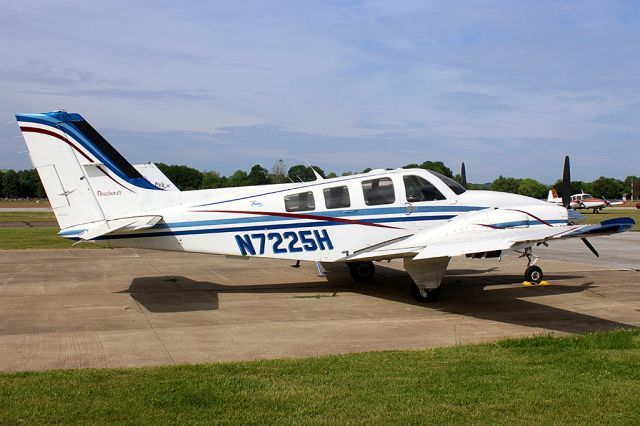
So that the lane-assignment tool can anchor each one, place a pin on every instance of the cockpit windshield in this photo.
(452, 184)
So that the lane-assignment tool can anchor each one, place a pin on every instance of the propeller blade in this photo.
(463, 175)
(566, 184)
(588, 244)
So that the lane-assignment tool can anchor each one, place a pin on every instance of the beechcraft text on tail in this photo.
(417, 215)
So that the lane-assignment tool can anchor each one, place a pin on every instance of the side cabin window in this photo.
(420, 189)
(378, 191)
(301, 202)
(337, 197)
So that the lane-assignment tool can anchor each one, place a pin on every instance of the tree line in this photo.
(20, 184)
(26, 183)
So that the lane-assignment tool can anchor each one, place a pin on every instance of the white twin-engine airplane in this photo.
(420, 216)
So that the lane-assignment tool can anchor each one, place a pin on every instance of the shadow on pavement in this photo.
(471, 293)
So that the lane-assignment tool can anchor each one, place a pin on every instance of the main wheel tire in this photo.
(533, 274)
(362, 272)
(428, 295)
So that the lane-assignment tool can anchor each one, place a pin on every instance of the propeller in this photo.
(566, 198)
(588, 244)
(463, 175)
(566, 183)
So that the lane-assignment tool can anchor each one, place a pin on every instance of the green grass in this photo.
(37, 238)
(27, 217)
(610, 213)
(576, 380)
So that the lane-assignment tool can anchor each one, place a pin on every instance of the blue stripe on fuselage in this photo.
(505, 225)
(335, 214)
(315, 224)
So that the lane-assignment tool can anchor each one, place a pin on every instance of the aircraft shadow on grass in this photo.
(466, 292)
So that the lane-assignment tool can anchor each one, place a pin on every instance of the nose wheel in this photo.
(533, 274)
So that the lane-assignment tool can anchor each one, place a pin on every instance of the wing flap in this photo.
(463, 247)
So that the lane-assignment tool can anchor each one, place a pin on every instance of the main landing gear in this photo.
(426, 276)
(533, 274)
(425, 295)
(362, 272)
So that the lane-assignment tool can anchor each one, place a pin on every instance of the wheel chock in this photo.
(530, 284)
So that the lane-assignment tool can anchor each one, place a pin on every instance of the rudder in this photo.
(85, 178)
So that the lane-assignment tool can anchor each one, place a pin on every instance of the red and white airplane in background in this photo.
(583, 201)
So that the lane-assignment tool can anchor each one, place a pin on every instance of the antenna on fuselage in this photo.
(318, 177)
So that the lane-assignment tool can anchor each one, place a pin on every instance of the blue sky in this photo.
(509, 87)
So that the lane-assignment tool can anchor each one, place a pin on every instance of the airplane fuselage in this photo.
(586, 201)
(328, 220)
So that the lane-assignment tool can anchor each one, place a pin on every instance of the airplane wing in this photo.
(423, 246)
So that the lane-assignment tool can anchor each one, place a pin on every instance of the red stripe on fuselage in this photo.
(300, 216)
(533, 216)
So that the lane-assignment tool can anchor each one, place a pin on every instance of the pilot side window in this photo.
(378, 191)
(300, 202)
(420, 189)
(338, 197)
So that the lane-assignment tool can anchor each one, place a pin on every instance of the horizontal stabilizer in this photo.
(122, 224)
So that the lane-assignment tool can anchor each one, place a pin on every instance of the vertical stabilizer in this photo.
(85, 178)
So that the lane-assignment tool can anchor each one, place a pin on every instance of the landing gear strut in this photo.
(362, 272)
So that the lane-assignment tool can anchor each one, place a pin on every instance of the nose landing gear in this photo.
(533, 274)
